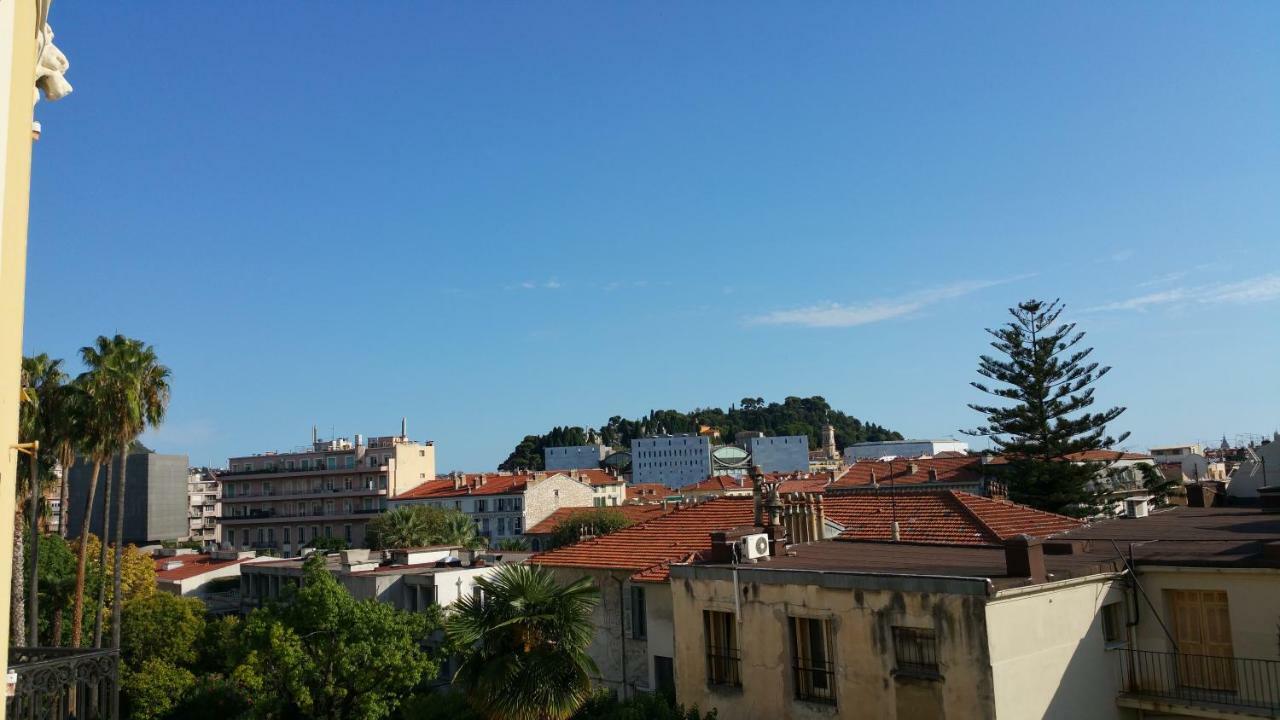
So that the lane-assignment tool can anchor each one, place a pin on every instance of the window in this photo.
(346, 483)
(328, 507)
(284, 535)
(811, 662)
(301, 538)
(382, 482)
(515, 525)
(1113, 624)
(723, 658)
(315, 531)
(346, 506)
(271, 536)
(331, 463)
(517, 503)
(350, 461)
(368, 503)
(482, 506)
(664, 674)
(916, 650)
(502, 526)
(328, 531)
(288, 464)
(639, 618)
(346, 533)
(266, 488)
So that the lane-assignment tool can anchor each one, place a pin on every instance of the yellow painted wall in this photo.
(866, 686)
(1253, 597)
(1048, 656)
(17, 74)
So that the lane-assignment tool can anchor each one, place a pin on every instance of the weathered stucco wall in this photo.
(1048, 655)
(862, 621)
(1252, 595)
(613, 631)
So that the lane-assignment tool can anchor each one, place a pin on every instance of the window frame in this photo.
(722, 649)
(812, 659)
(915, 652)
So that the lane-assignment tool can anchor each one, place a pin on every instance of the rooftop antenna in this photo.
(404, 427)
(314, 437)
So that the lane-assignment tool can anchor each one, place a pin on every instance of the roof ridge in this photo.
(973, 514)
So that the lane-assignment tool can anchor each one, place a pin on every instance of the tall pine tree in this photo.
(1047, 380)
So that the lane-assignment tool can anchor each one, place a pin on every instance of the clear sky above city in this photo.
(494, 218)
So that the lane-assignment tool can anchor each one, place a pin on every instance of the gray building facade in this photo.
(574, 457)
(673, 460)
(788, 453)
(155, 498)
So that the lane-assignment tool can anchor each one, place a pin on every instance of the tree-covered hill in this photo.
(793, 416)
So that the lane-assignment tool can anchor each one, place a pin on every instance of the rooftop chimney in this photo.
(933, 475)
(404, 427)
(1024, 557)
(912, 468)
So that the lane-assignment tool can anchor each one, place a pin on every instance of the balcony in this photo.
(271, 515)
(1199, 685)
(63, 683)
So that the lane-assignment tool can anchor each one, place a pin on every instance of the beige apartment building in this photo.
(204, 493)
(283, 501)
(1171, 615)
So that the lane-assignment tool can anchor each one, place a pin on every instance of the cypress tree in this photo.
(1047, 377)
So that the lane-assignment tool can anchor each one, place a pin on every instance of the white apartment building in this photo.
(203, 506)
(284, 501)
(1191, 458)
(504, 505)
(672, 460)
(901, 448)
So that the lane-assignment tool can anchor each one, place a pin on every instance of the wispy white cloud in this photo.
(839, 315)
(552, 284)
(1163, 279)
(1264, 288)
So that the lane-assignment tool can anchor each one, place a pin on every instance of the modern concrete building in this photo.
(332, 488)
(902, 449)
(673, 460)
(1189, 457)
(576, 457)
(785, 453)
(203, 507)
(155, 498)
(504, 505)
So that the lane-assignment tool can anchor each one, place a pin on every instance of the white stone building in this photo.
(901, 448)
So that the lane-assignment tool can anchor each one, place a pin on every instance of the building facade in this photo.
(155, 498)
(203, 506)
(504, 505)
(673, 460)
(902, 449)
(576, 457)
(785, 453)
(284, 501)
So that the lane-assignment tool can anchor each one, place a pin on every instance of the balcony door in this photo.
(1202, 628)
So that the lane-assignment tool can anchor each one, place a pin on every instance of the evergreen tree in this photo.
(1047, 380)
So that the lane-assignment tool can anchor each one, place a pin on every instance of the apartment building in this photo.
(155, 500)
(673, 460)
(635, 646)
(902, 448)
(504, 505)
(1180, 622)
(783, 453)
(575, 457)
(283, 501)
(204, 493)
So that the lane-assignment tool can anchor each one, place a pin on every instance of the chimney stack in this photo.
(912, 468)
(1024, 557)
(933, 475)
(404, 427)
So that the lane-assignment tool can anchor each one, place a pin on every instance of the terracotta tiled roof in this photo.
(668, 538)
(1085, 456)
(945, 517)
(966, 469)
(719, 483)
(634, 513)
(641, 491)
(192, 565)
(498, 483)
(791, 482)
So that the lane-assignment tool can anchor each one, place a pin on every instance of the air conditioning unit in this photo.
(1136, 507)
(754, 546)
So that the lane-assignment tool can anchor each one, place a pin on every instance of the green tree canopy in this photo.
(525, 644)
(593, 521)
(792, 416)
(1045, 381)
(163, 627)
(323, 654)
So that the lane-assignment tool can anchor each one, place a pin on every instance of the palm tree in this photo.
(403, 527)
(41, 378)
(125, 391)
(459, 529)
(526, 640)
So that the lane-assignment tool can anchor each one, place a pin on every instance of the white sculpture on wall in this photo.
(51, 64)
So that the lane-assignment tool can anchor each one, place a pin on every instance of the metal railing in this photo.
(815, 680)
(57, 683)
(724, 666)
(1241, 683)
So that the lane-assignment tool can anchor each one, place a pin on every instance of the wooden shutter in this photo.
(1202, 628)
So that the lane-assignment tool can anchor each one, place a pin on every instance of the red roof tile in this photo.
(192, 565)
(966, 469)
(668, 538)
(634, 513)
(654, 491)
(498, 483)
(946, 517)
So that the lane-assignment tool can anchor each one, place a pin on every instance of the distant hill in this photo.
(793, 416)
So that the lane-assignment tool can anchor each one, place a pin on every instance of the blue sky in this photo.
(494, 218)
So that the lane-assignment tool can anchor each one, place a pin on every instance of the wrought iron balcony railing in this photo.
(58, 683)
(1246, 685)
